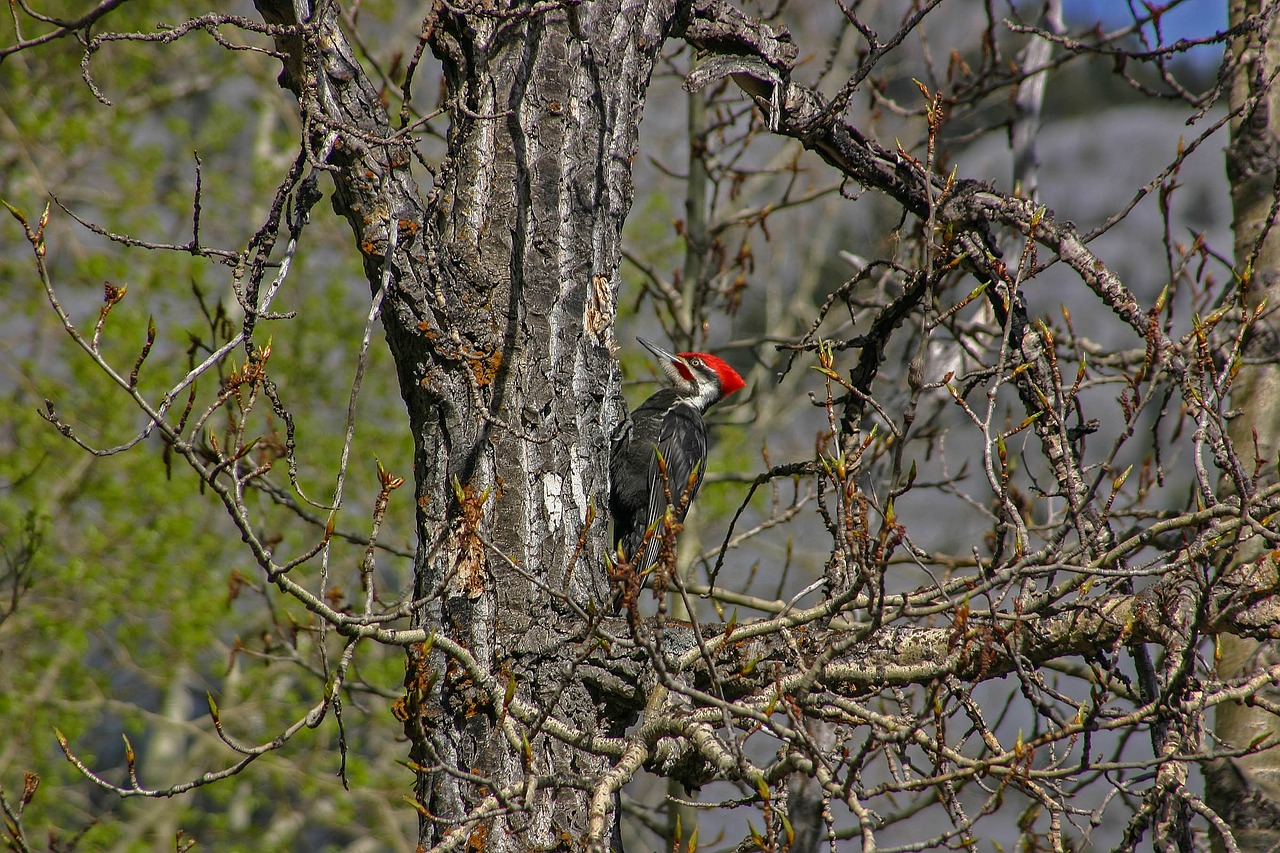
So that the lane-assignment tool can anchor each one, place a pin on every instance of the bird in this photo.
(659, 453)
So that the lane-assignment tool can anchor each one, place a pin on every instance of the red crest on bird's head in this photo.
(730, 381)
(679, 368)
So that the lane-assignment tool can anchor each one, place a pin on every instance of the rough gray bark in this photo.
(1245, 790)
(499, 310)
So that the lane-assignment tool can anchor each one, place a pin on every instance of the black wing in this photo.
(682, 445)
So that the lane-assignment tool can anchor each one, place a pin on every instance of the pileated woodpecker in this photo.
(660, 452)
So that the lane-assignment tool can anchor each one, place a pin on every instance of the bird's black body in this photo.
(659, 453)
(673, 427)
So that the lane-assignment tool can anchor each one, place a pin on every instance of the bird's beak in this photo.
(672, 365)
(664, 357)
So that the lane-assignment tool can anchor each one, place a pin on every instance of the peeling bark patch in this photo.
(468, 575)
(598, 318)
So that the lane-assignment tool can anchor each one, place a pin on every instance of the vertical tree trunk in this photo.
(1246, 790)
(499, 309)
(525, 226)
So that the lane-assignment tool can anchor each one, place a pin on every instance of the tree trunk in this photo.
(499, 305)
(1245, 791)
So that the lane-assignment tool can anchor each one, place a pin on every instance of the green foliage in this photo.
(122, 598)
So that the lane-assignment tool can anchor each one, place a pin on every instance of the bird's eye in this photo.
(696, 362)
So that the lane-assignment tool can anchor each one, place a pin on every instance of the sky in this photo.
(1191, 19)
